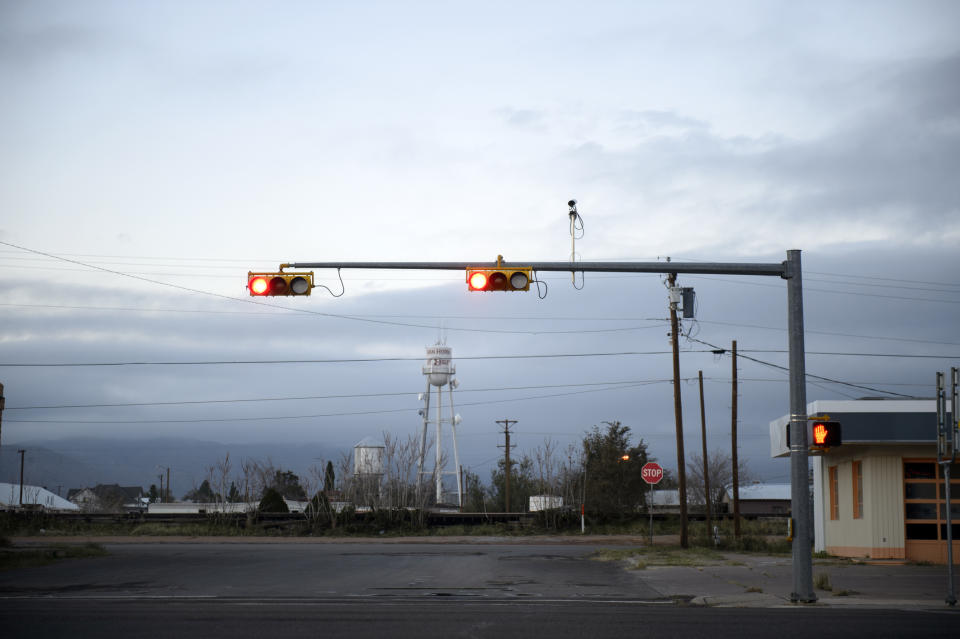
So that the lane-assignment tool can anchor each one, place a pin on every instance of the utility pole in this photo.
(678, 413)
(168, 484)
(706, 466)
(22, 452)
(506, 459)
(734, 463)
(161, 487)
(3, 401)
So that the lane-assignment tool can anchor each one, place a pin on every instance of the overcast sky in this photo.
(186, 143)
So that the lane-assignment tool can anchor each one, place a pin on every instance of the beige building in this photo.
(880, 494)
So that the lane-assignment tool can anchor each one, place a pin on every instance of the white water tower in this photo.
(439, 371)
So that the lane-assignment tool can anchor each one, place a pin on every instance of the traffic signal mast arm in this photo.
(701, 268)
(790, 270)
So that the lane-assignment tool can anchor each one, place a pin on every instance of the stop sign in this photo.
(651, 472)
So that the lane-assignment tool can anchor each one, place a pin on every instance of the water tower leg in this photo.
(456, 452)
(438, 469)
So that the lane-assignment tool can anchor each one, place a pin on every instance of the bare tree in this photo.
(571, 474)
(219, 478)
(400, 458)
(548, 467)
(720, 476)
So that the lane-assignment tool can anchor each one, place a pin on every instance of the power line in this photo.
(330, 361)
(844, 354)
(342, 396)
(249, 301)
(611, 384)
(820, 377)
(832, 333)
(713, 350)
(272, 315)
(885, 279)
(319, 415)
(826, 290)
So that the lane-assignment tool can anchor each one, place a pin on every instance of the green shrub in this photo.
(272, 502)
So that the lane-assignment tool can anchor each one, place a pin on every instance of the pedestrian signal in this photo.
(825, 435)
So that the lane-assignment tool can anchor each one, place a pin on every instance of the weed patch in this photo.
(659, 556)
(11, 558)
(821, 581)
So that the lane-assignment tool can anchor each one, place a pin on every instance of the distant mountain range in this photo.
(60, 465)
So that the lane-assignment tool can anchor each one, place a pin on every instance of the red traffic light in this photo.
(477, 281)
(258, 285)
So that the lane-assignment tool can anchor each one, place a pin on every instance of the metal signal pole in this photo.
(799, 450)
(790, 270)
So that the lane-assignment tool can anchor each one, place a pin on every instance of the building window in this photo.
(857, 490)
(925, 508)
(834, 502)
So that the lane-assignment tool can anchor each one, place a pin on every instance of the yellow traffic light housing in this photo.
(500, 278)
(277, 284)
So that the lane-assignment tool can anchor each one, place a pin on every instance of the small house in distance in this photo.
(107, 498)
(760, 499)
(666, 501)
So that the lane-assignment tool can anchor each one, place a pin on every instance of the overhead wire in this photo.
(321, 415)
(338, 396)
(611, 384)
(519, 318)
(327, 361)
(741, 353)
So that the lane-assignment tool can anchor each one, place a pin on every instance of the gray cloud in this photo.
(521, 118)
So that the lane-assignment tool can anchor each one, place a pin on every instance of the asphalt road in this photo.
(389, 590)
(321, 571)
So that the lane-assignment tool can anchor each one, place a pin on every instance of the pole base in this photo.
(808, 599)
